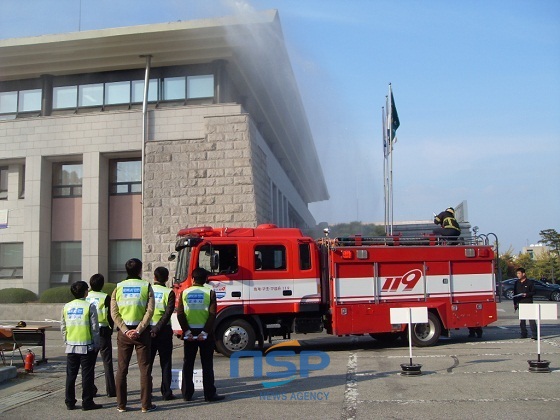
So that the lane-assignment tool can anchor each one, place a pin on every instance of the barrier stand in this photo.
(409, 316)
(538, 311)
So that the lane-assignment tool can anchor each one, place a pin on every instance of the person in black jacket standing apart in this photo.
(196, 313)
(523, 291)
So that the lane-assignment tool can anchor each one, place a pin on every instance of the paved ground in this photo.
(462, 378)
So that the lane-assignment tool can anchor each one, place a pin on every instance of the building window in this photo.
(90, 95)
(138, 91)
(200, 86)
(67, 180)
(173, 88)
(272, 257)
(8, 102)
(65, 97)
(11, 260)
(66, 262)
(22, 181)
(120, 251)
(29, 100)
(126, 176)
(4, 183)
(117, 93)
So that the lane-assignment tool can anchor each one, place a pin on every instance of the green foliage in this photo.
(551, 238)
(108, 288)
(17, 295)
(59, 294)
(547, 266)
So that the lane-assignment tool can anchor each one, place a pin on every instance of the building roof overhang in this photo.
(253, 47)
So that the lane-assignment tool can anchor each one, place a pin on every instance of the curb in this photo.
(7, 373)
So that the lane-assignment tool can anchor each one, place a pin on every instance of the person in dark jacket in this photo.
(162, 333)
(523, 291)
(449, 225)
(102, 302)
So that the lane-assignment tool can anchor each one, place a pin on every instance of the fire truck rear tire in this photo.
(425, 335)
(234, 335)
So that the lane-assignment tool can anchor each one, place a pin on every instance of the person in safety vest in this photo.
(162, 333)
(132, 307)
(449, 225)
(80, 331)
(102, 302)
(196, 313)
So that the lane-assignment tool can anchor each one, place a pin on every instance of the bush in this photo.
(60, 294)
(17, 295)
(108, 288)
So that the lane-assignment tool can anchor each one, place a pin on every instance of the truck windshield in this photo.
(183, 262)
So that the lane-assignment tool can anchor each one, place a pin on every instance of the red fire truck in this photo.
(272, 281)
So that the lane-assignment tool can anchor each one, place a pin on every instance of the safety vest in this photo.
(161, 295)
(98, 299)
(132, 298)
(78, 328)
(196, 301)
(451, 223)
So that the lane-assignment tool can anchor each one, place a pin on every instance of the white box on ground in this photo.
(177, 379)
(531, 311)
(406, 315)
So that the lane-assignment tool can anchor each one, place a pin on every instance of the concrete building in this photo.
(91, 175)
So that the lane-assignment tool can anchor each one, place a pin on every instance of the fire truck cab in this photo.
(272, 281)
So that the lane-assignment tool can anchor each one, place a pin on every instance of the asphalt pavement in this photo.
(335, 378)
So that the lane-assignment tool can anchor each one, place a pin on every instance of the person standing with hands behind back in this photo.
(196, 313)
(132, 307)
(523, 291)
(80, 332)
(162, 333)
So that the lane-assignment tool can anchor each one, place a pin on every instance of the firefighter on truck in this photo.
(272, 282)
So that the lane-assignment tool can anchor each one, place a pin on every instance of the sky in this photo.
(476, 86)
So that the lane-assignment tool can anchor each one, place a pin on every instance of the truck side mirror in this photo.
(214, 261)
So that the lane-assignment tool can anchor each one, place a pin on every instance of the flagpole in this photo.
(389, 125)
(384, 145)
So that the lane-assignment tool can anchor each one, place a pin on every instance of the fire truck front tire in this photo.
(425, 335)
(234, 335)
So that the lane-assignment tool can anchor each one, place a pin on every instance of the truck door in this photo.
(227, 279)
(271, 286)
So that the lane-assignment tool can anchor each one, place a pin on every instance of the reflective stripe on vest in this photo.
(78, 328)
(196, 301)
(132, 298)
(98, 298)
(161, 295)
(451, 223)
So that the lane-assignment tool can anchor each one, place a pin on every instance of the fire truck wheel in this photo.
(425, 335)
(235, 335)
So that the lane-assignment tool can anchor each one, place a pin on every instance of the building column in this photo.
(95, 214)
(37, 228)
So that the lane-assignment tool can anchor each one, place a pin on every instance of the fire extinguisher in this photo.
(29, 361)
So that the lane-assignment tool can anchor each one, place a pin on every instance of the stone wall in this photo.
(199, 181)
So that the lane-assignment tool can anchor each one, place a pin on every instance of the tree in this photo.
(551, 238)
